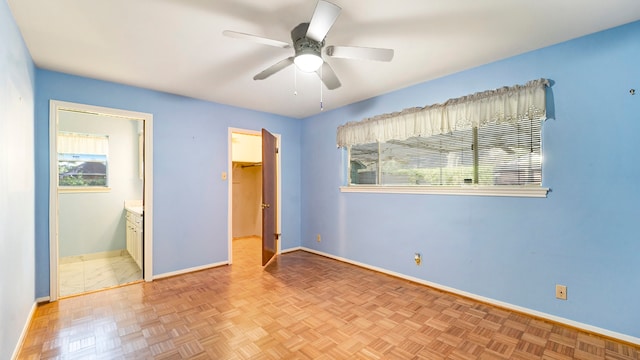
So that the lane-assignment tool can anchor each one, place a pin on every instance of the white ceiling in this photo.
(177, 46)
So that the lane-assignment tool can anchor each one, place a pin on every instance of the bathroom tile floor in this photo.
(95, 274)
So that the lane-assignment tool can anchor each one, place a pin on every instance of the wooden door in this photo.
(269, 203)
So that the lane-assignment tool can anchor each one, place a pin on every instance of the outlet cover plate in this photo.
(561, 292)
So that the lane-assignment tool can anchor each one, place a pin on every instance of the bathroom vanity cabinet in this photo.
(134, 235)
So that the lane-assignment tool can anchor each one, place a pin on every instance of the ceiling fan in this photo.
(308, 42)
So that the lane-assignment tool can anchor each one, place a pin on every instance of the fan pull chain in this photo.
(295, 81)
(321, 105)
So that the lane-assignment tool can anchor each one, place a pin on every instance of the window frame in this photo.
(534, 191)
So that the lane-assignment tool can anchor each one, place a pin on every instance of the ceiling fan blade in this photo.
(328, 76)
(254, 38)
(323, 18)
(274, 68)
(364, 53)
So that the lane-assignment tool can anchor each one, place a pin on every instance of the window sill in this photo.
(83, 189)
(469, 190)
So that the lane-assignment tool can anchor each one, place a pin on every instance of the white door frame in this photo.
(230, 189)
(54, 107)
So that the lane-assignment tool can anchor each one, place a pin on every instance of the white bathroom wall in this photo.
(91, 222)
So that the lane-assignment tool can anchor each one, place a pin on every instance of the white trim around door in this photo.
(54, 107)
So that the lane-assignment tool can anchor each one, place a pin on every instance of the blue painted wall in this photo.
(190, 152)
(583, 235)
(17, 267)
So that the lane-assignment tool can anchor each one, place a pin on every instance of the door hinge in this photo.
(277, 150)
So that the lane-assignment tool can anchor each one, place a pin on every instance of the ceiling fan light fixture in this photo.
(308, 60)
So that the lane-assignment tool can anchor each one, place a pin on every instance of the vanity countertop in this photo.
(135, 209)
(134, 206)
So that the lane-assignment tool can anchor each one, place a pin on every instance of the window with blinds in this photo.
(494, 154)
(82, 160)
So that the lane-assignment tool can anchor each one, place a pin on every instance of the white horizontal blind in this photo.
(499, 154)
(510, 154)
(444, 159)
(364, 164)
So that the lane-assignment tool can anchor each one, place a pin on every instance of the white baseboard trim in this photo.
(537, 314)
(189, 270)
(291, 249)
(43, 299)
(23, 334)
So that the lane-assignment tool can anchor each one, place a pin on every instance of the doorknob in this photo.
(265, 206)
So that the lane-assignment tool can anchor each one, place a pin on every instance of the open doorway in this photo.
(246, 175)
(100, 198)
(247, 195)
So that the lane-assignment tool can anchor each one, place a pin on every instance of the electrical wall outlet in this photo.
(561, 292)
(417, 258)
(318, 238)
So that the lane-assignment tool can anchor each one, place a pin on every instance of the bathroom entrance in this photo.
(99, 198)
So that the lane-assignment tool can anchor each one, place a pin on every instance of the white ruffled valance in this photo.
(87, 144)
(504, 105)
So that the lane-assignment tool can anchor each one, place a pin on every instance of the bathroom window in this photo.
(83, 161)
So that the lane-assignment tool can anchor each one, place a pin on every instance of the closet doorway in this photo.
(253, 202)
(100, 198)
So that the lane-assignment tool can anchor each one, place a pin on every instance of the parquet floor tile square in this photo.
(301, 306)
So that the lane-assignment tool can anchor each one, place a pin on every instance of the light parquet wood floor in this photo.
(302, 306)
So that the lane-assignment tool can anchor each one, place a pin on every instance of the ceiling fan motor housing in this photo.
(304, 45)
